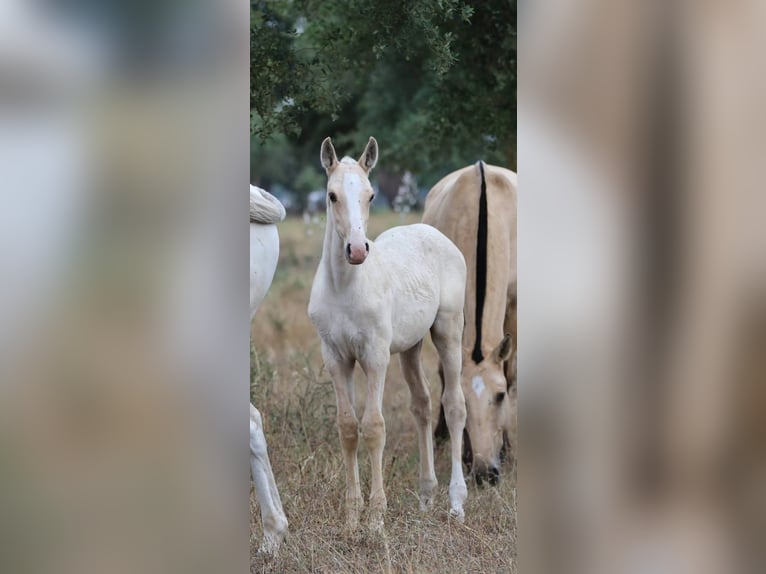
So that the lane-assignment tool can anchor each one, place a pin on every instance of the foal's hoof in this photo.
(375, 523)
(351, 527)
(353, 506)
(458, 514)
(427, 491)
(375, 519)
(426, 503)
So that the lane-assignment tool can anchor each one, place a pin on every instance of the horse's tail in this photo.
(481, 265)
(264, 207)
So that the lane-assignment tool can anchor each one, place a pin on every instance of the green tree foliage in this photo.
(433, 80)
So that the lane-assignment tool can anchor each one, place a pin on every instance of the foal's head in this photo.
(349, 195)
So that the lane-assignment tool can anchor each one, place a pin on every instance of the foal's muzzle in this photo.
(356, 253)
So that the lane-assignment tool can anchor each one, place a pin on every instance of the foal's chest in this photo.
(344, 323)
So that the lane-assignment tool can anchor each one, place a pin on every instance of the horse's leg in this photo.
(441, 433)
(272, 515)
(420, 405)
(342, 373)
(446, 333)
(375, 365)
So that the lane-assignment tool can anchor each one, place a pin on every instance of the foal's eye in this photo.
(372, 197)
(333, 197)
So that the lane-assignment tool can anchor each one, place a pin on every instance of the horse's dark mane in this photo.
(481, 266)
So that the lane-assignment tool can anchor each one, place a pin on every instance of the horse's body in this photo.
(476, 208)
(265, 212)
(412, 280)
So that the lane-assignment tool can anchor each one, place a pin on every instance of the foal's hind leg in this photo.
(446, 333)
(441, 433)
(420, 405)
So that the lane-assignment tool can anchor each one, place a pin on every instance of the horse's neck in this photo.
(339, 273)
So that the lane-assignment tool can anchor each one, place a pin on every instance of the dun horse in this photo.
(265, 212)
(476, 208)
(371, 299)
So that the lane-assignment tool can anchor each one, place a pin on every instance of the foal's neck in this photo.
(340, 273)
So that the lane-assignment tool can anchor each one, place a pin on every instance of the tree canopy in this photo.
(433, 80)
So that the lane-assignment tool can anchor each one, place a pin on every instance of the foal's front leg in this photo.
(342, 373)
(375, 365)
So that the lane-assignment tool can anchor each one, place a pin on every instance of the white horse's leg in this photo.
(272, 515)
(446, 333)
(374, 431)
(342, 373)
(420, 405)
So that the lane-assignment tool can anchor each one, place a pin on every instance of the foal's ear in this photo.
(503, 351)
(369, 155)
(328, 157)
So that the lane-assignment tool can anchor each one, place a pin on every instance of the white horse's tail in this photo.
(264, 207)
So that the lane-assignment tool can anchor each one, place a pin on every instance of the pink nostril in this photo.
(367, 246)
(348, 249)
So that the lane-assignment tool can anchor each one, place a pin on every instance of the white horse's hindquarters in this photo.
(264, 254)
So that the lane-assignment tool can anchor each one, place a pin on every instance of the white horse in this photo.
(372, 299)
(265, 212)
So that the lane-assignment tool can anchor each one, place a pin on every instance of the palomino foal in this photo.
(265, 212)
(371, 299)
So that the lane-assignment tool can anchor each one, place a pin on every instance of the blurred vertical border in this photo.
(642, 308)
(124, 357)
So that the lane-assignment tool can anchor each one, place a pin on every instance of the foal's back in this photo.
(421, 273)
(410, 256)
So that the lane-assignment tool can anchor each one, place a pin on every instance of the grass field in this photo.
(295, 396)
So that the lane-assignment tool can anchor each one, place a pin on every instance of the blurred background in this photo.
(433, 80)
(642, 287)
(123, 286)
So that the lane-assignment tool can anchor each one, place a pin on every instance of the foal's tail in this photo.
(264, 207)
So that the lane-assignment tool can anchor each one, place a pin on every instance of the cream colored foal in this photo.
(372, 299)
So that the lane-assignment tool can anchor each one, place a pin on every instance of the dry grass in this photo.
(296, 399)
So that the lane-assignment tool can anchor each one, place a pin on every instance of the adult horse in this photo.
(371, 299)
(476, 208)
(265, 212)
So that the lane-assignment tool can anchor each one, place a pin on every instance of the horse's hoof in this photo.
(269, 547)
(353, 507)
(426, 503)
(351, 526)
(458, 514)
(375, 524)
